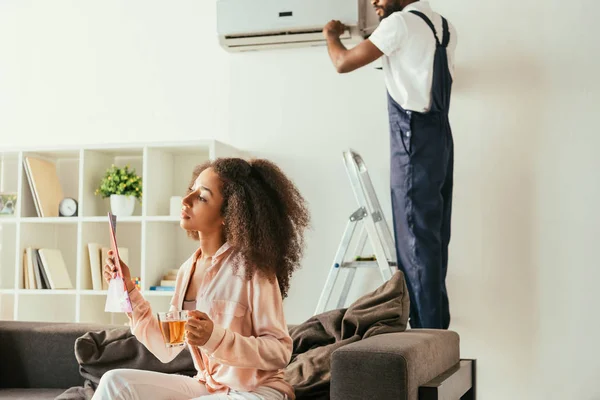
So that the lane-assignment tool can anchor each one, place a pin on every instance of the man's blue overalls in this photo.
(422, 159)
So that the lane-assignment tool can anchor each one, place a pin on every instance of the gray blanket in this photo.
(98, 352)
(383, 311)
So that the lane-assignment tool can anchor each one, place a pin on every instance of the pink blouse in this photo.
(250, 345)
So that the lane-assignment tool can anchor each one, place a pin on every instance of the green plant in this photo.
(120, 181)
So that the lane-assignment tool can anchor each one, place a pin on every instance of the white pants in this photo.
(133, 384)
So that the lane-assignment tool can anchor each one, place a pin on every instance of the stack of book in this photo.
(167, 283)
(45, 269)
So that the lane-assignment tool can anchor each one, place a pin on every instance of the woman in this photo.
(249, 219)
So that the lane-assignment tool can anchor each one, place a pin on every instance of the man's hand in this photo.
(198, 328)
(345, 60)
(334, 29)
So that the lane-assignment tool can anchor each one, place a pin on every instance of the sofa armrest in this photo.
(392, 366)
(40, 355)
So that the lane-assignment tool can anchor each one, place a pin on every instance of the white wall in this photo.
(523, 271)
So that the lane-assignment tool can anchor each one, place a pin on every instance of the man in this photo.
(417, 46)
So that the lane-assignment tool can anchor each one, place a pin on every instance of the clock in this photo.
(68, 207)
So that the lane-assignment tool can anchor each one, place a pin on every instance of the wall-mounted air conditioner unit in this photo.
(261, 24)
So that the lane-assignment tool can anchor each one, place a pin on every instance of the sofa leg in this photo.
(471, 394)
(458, 383)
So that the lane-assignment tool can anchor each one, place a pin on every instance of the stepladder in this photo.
(372, 227)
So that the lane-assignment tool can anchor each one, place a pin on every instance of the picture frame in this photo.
(8, 204)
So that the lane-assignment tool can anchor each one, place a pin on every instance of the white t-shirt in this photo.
(409, 48)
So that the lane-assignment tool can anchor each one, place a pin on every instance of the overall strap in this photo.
(445, 38)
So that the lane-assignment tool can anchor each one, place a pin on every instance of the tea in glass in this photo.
(172, 326)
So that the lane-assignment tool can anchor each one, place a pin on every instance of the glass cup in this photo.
(172, 326)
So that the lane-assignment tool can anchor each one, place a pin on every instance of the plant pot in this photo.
(121, 205)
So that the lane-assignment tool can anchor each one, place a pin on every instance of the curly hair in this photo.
(265, 216)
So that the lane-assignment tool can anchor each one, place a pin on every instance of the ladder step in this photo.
(363, 264)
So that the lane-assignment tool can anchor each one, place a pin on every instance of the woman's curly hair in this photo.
(265, 216)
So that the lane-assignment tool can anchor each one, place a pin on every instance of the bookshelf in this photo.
(154, 239)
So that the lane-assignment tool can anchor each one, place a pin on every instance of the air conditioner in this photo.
(244, 25)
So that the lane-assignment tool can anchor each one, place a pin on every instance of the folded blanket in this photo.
(384, 310)
(98, 352)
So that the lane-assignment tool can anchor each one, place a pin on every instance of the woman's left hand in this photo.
(198, 328)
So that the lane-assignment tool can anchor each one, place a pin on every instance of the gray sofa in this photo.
(38, 362)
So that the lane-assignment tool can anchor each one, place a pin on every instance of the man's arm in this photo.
(345, 60)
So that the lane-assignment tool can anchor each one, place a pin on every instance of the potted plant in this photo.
(123, 186)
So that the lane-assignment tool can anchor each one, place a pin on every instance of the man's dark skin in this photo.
(366, 52)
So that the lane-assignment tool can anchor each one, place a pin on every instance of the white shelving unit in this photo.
(155, 241)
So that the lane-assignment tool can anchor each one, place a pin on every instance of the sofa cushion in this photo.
(29, 394)
(40, 354)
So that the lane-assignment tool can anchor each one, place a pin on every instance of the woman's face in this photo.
(201, 211)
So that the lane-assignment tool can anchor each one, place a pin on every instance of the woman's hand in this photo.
(110, 271)
(198, 328)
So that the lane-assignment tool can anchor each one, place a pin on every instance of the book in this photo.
(30, 272)
(45, 281)
(162, 288)
(103, 257)
(32, 189)
(55, 268)
(45, 186)
(25, 270)
(171, 275)
(96, 265)
(36, 268)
